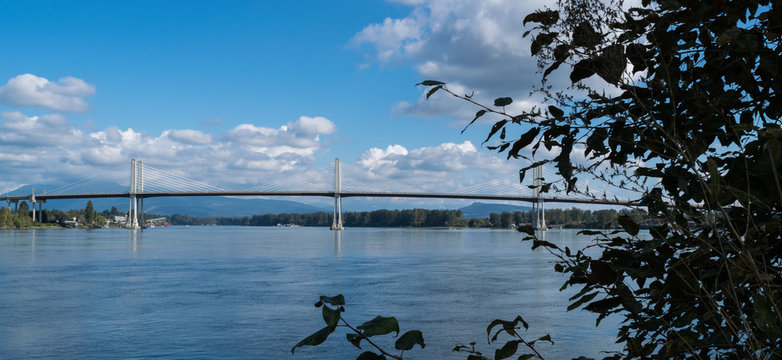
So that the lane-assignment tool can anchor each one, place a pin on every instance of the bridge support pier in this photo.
(140, 185)
(32, 202)
(336, 223)
(539, 219)
(132, 222)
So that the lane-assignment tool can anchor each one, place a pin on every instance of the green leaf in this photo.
(585, 35)
(582, 70)
(527, 229)
(507, 326)
(496, 127)
(602, 273)
(628, 224)
(477, 115)
(432, 91)
(611, 64)
(521, 320)
(409, 339)
(315, 339)
(602, 306)
(431, 83)
(368, 355)
(551, 68)
(555, 111)
(354, 339)
(379, 326)
(595, 142)
(546, 337)
(540, 41)
(636, 53)
(561, 52)
(538, 243)
(524, 140)
(547, 18)
(507, 350)
(581, 301)
(503, 101)
(331, 316)
(334, 300)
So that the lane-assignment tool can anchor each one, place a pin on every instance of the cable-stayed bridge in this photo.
(332, 181)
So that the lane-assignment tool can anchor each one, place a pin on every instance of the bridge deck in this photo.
(330, 194)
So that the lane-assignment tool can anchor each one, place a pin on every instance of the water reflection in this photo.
(135, 239)
(337, 242)
(32, 246)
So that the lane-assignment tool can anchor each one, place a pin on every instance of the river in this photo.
(248, 292)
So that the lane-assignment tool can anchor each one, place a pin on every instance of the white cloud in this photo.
(67, 94)
(375, 157)
(189, 136)
(475, 46)
(447, 167)
(313, 126)
(50, 149)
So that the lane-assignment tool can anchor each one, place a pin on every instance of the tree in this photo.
(688, 115)
(90, 215)
(24, 209)
(5, 216)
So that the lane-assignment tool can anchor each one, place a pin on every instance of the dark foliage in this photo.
(692, 113)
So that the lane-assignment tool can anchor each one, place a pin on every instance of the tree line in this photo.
(568, 218)
(23, 217)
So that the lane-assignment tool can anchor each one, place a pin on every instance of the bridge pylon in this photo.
(539, 216)
(135, 172)
(336, 223)
(32, 201)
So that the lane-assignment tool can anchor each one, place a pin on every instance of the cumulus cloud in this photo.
(475, 46)
(301, 137)
(51, 149)
(187, 136)
(313, 126)
(447, 167)
(18, 129)
(66, 94)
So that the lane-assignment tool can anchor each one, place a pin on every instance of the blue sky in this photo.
(240, 93)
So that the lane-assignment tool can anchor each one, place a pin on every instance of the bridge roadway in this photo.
(329, 194)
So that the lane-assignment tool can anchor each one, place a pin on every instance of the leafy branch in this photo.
(332, 309)
(509, 327)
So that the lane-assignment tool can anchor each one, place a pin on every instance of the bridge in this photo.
(166, 184)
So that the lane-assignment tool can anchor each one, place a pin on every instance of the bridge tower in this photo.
(32, 201)
(539, 220)
(134, 187)
(336, 224)
(140, 186)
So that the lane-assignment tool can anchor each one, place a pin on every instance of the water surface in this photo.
(247, 292)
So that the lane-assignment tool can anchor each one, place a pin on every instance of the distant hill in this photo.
(197, 206)
(482, 210)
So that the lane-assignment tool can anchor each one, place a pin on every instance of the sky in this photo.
(239, 94)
